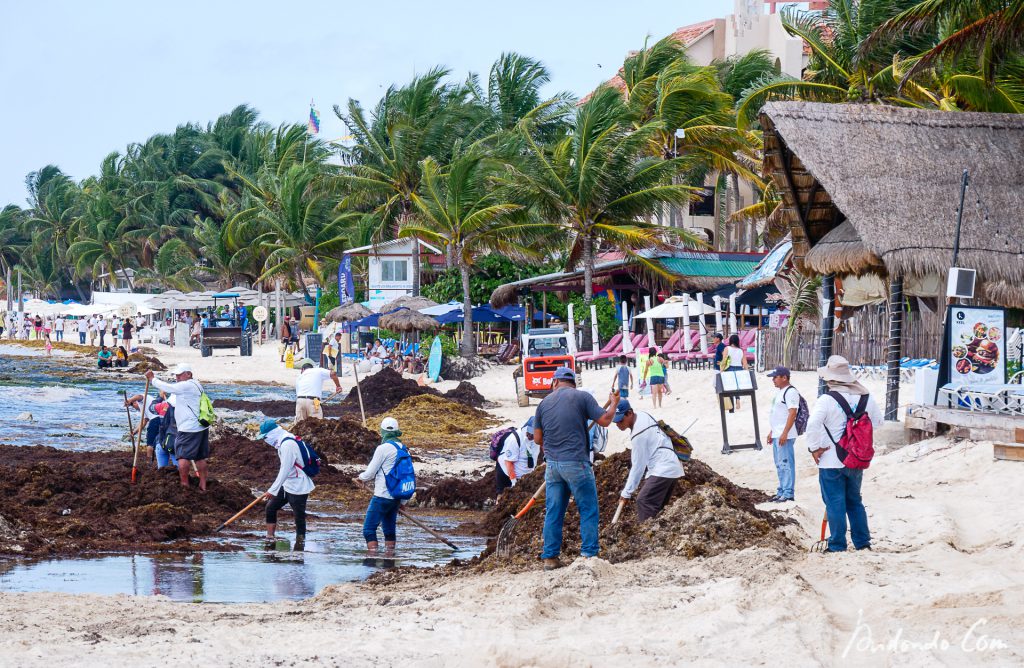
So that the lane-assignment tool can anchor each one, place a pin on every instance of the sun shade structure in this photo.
(347, 313)
(768, 268)
(894, 175)
(675, 307)
(411, 303)
(408, 320)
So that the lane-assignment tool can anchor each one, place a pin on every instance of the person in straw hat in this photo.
(840, 485)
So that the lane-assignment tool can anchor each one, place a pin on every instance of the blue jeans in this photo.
(81, 338)
(381, 513)
(563, 478)
(785, 466)
(840, 490)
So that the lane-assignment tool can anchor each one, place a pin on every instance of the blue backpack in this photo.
(401, 479)
(310, 459)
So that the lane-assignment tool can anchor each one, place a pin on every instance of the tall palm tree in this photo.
(55, 208)
(426, 118)
(599, 184)
(12, 243)
(460, 210)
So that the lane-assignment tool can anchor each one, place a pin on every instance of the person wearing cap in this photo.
(840, 486)
(782, 433)
(652, 459)
(519, 456)
(560, 428)
(383, 509)
(309, 389)
(147, 406)
(292, 486)
(192, 443)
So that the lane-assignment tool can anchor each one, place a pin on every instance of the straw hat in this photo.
(837, 372)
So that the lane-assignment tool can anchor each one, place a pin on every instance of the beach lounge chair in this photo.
(615, 343)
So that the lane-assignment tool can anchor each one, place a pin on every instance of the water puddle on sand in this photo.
(334, 552)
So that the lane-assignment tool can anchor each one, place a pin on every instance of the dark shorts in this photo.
(501, 479)
(193, 445)
(657, 380)
(623, 393)
(153, 431)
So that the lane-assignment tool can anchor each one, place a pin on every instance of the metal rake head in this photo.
(504, 543)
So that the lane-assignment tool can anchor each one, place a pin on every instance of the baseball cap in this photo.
(267, 426)
(779, 371)
(182, 368)
(621, 410)
(565, 373)
(389, 424)
(528, 427)
(304, 362)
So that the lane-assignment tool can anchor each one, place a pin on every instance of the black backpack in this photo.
(803, 413)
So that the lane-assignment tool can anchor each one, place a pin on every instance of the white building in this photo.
(116, 282)
(389, 268)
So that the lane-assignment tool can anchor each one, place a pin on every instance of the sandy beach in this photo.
(943, 585)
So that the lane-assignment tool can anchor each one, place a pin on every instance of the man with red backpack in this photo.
(839, 437)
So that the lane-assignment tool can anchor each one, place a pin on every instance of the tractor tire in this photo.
(245, 348)
(205, 351)
(521, 396)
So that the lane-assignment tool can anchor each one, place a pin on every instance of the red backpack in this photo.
(856, 447)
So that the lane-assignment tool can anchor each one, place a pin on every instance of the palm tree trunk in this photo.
(588, 285)
(468, 346)
(406, 212)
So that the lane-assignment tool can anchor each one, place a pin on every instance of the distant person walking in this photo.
(83, 330)
(560, 428)
(127, 331)
(58, 328)
(840, 485)
(652, 460)
(654, 373)
(782, 432)
(623, 378)
(193, 441)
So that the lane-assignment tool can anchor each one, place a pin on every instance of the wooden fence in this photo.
(862, 340)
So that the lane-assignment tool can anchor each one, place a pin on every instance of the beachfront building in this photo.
(754, 24)
(120, 280)
(871, 195)
(390, 268)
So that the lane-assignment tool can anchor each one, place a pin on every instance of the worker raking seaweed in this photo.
(394, 484)
(294, 482)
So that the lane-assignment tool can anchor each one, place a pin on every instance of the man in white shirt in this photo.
(58, 327)
(652, 452)
(93, 329)
(309, 389)
(782, 433)
(840, 486)
(83, 329)
(192, 444)
(292, 486)
(519, 456)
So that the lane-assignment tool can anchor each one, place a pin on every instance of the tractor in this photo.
(226, 331)
(544, 350)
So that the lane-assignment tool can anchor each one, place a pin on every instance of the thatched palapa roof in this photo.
(895, 175)
(414, 303)
(842, 252)
(348, 312)
(408, 320)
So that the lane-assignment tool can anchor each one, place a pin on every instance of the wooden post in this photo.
(828, 311)
(544, 310)
(627, 341)
(892, 376)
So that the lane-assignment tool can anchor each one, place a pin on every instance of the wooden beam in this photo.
(1008, 452)
(787, 172)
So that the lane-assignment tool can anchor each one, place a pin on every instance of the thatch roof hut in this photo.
(894, 174)
(408, 320)
(348, 312)
(842, 252)
(414, 303)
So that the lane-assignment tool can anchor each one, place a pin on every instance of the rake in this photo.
(504, 546)
(821, 545)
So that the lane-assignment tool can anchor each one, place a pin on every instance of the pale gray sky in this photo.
(82, 79)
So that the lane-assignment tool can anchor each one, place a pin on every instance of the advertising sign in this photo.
(977, 345)
(346, 282)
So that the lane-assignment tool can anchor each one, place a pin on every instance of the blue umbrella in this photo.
(371, 320)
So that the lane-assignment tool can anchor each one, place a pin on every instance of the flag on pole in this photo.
(313, 126)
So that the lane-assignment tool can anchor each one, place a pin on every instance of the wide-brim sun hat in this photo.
(837, 370)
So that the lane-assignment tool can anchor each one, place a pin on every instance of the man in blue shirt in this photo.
(560, 428)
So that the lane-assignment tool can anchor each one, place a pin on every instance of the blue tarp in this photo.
(480, 314)
(371, 320)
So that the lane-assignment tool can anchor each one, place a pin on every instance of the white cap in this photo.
(182, 368)
(389, 424)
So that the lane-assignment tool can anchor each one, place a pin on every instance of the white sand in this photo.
(945, 584)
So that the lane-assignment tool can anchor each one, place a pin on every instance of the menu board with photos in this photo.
(977, 352)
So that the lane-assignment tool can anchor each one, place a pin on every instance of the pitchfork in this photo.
(822, 545)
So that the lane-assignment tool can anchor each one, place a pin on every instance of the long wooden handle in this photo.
(240, 512)
(532, 501)
(359, 391)
(142, 428)
(427, 529)
(618, 511)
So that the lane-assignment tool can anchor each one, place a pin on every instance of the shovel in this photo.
(241, 512)
(131, 432)
(821, 545)
(142, 428)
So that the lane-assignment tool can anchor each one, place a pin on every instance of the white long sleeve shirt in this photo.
(383, 461)
(651, 452)
(518, 452)
(828, 414)
(290, 475)
(186, 411)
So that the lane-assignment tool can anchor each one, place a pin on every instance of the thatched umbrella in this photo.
(504, 295)
(408, 320)
(412, 303)
(842, 252)
(348, 313)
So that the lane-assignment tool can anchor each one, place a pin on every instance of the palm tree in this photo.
(990, 30)
(12, 243)
(514, 92)
(51, 223)
(599, 184)
(460, 210)
(102, 242)
(425, 119)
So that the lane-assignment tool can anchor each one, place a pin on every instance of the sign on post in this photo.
(259, 314)
(730, 385)
(127, 310)
(977, 345)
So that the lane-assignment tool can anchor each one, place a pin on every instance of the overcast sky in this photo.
(82, 79)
